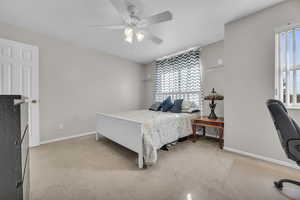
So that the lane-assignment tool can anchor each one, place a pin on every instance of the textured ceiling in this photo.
(196, 22)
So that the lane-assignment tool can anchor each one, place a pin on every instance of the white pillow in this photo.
(188, 105)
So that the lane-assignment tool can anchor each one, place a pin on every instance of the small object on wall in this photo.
(220, 61)
(148, 76)
(213, 96)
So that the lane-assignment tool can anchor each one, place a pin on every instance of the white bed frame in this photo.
(127, 133)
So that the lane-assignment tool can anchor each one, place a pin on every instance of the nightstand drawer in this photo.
(208, 123)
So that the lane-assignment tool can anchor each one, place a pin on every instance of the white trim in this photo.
(278, 79)
(9, 74)
(285, 68)
(212, 135)
(216, 67)
(293, 107)
(294, 72)
(287, 27)
(68, 137)
(1, 78)
(179, 52)
(279, 162)
(287, 72)
(35, 108)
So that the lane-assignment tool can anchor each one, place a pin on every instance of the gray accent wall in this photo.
(213, 77)
(213, 74)
(77, 82)
(148, 85)
(249, 75)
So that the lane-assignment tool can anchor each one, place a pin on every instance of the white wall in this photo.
(249, 75)
(76, 82)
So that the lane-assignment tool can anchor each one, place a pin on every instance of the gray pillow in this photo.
(177, 106)
(156, 106)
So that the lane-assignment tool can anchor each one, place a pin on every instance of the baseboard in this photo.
(279, 162)
(68, 137)
(211, 135)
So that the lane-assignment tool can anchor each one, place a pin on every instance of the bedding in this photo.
(189, 107)
(159, 129)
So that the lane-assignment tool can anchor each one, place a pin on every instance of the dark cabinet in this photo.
(14, 148)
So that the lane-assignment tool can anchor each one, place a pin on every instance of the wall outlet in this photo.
(61, 126)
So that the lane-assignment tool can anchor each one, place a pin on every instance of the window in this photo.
(179, 77)
(288, 66)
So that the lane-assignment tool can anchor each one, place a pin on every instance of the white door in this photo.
(19, 74)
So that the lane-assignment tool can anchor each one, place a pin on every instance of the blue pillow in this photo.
(166, 105)
(177, 106)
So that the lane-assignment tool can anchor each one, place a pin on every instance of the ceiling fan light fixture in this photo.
(128, 32)
(140, 36)
(129, 39)
(135, 25)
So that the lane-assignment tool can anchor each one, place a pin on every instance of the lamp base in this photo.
(212, 114)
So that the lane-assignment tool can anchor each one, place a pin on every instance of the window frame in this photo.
(182, 93)
(294, 67)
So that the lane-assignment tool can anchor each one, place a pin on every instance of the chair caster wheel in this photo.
(278, 185)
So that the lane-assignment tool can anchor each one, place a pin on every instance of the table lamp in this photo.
(213, 96)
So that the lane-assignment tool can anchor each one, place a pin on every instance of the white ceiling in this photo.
(196, 22)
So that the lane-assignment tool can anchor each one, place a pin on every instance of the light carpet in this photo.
(86, 169)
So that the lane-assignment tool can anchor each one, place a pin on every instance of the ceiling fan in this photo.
(134, 26)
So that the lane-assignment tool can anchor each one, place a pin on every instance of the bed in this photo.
(144, 131)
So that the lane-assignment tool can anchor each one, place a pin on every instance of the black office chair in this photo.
(289, 135)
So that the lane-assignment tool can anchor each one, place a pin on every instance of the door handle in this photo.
(34, 101)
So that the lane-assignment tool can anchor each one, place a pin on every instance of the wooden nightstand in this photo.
(205, 122)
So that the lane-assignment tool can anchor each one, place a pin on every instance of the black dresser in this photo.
(14, 148)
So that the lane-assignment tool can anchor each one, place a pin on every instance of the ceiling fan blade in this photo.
(152, 37)
(114, 27)
(158, 18)
(121, 7)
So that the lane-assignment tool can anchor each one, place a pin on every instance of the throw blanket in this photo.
(159, 129)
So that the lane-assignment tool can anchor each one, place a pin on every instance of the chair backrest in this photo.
(287, 129)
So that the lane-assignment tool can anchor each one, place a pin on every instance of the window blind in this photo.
(287, 68)
(179, 77)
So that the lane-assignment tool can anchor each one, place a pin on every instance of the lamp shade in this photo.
(213, 96)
